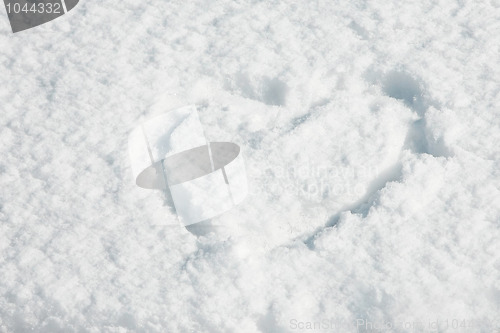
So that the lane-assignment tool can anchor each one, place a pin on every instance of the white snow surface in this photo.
(370, 132)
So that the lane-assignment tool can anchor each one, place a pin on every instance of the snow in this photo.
(370, 137)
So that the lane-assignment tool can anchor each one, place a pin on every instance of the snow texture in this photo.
(370, 132)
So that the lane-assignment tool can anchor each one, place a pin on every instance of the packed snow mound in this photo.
(370, 136)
